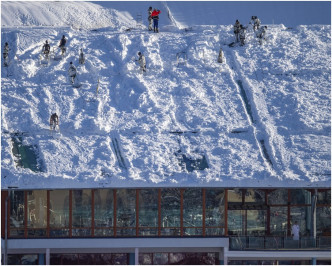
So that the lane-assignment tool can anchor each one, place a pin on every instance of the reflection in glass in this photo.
(17, 213)
(303, 216)
(254, 196)
(59, 213)
(278, 221)
(170, 211)
(126, 212)
(323, 221)
(81, 203)
(278, 197)
(214, 211)
(300, 196)
(324, 197)
(256, 222)
(235, 222)
(234, 195)
(192, 211)
(37, 212)
(148, 211)
(104, 212)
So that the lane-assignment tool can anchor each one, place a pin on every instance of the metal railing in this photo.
(278, 243)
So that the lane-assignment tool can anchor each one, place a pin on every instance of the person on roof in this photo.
(242, 35)
(54, 121)
(236, 28)
(62, 44)
(155, 16)
(255, 22)
(150, 18)
(81, 58)
(72, 72)
(142, 62)
(261, 34)
(5, 54)
(46, 48)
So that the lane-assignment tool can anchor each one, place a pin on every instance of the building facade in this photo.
(166, 226)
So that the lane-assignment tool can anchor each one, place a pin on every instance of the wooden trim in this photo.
(159, 211)
(25, 214)
(114, 212)
(203, 209)
(70, 213)
(92, 212)
(137, 212)
(48, 214)
(226, 212)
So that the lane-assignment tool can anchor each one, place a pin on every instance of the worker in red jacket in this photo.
(155, 17)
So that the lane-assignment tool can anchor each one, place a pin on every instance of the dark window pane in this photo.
(254, 196)
(214, 211)
(104, 208)
(148, 211)
(234, 195)
(192, 210)
(303, 216)
(16, 211)
(323, 221)
(81, 208)
(278, 221)
(126, 212)
(278, 197)
(55, 259)
(300, 196)
(170, 211)
(69, 259)
(120, 259)
(324, 197)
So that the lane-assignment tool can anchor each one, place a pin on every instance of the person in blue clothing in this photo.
(155, 17)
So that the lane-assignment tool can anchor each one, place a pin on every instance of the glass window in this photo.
(303, 216)
(37, 213)
(192, 212)
(69, 259)
(17, 213)
(323, 221)
(18, 259)
(215, 211)
(170, 211)
(254, 196)
(300, 196)
(278, 221)
(120, 259)
(160, 258)
(145, 258)
(324, 197)
(81, 202)
(104, 212)
(234, 195)
(126, 212)
(256, 222)
(278, 197)
(148, 211)
(235, 222)
(59, 213)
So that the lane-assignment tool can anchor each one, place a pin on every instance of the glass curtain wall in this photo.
(148, 212)
(126, 212)
(59, 213)
(104, 212)
(17, 213)
(215, 212)
(81, 216)
(170, 211)
(37, 213)
(192, 212)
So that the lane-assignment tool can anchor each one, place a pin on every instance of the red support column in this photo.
(70, 212)
(48, 214)
(114, 208)
(137, 211)
(226, 212)
(203, 202)
(181, 212)
(92, 212)
(159, 212)
(25, 214)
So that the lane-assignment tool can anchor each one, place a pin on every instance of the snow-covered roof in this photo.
(262, 118)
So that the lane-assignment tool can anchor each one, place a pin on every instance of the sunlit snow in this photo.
(262, 118)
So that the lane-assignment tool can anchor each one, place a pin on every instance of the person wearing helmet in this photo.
(54, 121)
(46, 48)
(62, 45)
(150, 18)
(155, 16)
(237, 30)
(81, 58)
(142, 62)
(255, 22)
(72, 72)
(242, 35)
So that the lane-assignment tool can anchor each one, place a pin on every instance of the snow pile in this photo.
(259, 119)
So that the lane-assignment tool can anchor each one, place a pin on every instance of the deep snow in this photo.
(260, 119)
